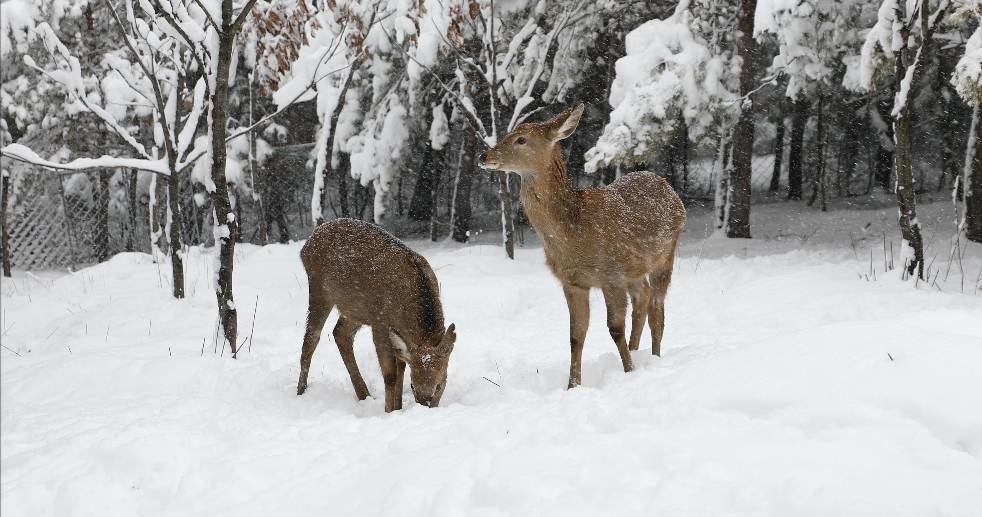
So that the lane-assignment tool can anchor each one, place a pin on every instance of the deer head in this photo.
(427, 365)
(529, 148)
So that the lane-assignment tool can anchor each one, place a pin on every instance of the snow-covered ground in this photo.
(790, 385)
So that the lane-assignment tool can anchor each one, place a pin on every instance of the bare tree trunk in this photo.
(419, 205)
(256, 173)
(684, 152)
(676, 156)
(399, 208)
(362, 197)
(4, 227)
(226, 225)
(174, 220)
(438, 157)
(949, 161)
(329, 145)
(344, 169)
(723, 169)
(666, 164)
(950, 106)
(176, 243)
(910, 229)
(822, 158)
(778, 153)
(102, 215)
(507, 214)
(738, 222)
(973, 180)
(155, 211)
(461, 217)
(818, 180)
(498, 124)
(799, 119)
(885, 139)
(849, 152)
(131, 180)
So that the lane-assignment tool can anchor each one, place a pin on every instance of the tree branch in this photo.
(157, 93)
(208, 15)
(240, 19)
(24, 154)
(102, 114)
(193, 48)
(526, 99)
(472, 117)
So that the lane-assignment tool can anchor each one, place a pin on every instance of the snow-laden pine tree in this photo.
(815, 39)
(677, 70)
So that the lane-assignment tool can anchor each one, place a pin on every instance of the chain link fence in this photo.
(61, 221)
(68, 221)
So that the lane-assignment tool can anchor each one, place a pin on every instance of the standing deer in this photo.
(376, 280)
(620, 238)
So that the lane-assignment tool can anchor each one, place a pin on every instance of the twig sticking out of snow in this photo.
(255, 309)
(11, 350)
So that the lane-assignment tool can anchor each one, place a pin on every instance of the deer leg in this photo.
(400, 381)
(317, 313)
(578, 300)
(616, 299)
(387, 362)
(344, 336)
(656, 313)
(640, 299)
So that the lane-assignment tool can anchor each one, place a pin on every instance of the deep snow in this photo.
(789, 386)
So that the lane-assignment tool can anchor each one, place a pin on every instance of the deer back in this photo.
(373, 278)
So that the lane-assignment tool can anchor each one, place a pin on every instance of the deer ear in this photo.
(449, 338)
(565, 123)
(399, 347)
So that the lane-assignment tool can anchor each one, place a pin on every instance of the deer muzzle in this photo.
(490, 159)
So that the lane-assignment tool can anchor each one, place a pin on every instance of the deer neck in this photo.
(551, 203)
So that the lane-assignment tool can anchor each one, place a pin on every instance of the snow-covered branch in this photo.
(522, 102)
(24, 154)
(673, 71)
(68, 74)
(967, 77)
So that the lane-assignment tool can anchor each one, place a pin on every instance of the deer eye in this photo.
(520, 140)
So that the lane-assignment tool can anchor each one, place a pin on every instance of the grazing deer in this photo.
(620, 238)
(376, 280)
